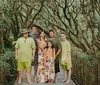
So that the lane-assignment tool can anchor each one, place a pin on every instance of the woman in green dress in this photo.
(66, 62)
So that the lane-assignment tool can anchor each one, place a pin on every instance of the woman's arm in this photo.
(54, 53)
(45, 56)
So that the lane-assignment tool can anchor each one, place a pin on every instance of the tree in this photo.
(80, 19)
(17, 14)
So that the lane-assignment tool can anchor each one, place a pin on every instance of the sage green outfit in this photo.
(66, 47)
(25, 47)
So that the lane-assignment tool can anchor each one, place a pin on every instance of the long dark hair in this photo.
(52, 47)
(40, 36)
(51, 43)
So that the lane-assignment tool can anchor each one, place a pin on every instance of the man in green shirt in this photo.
(25, 51)
(57, 46)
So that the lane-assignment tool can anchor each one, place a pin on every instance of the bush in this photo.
(8, 64)
(86, 68)
(4, 70)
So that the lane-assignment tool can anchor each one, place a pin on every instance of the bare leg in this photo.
(69, 76)
(35, 72)
(17, 78)
(28, 77)
(56, 77)
(65, 76)
(30, 70)
(20, 76)
(51, 80)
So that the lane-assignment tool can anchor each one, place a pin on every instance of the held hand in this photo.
(54, 57)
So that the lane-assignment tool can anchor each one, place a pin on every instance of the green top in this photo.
(66, 47)
(57, 46)
(25, 47)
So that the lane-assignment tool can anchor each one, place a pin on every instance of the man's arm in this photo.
(16, 50)
(58, 52)
(59, 48)
(16, 54)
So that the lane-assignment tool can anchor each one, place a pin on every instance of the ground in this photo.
(60, 78)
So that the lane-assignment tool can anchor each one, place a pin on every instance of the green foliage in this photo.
(78, 18)
(85, 67)
(8, 63)
(5, 66)
(4, 71)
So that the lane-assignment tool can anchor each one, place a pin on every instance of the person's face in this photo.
(34, 30)
(49, 44)
(25, 35)
(42, 34)
(63, 36)
(51, 34)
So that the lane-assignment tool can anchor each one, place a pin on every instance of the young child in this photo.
(49, 62)
(66, 62)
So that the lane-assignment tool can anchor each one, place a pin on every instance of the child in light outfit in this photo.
(66, 62)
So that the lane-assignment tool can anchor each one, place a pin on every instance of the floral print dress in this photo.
(49, 64)
(41, 67)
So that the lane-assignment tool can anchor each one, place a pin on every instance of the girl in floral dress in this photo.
(49, 62)
(41, 68)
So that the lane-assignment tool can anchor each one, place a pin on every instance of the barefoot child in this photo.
(66, 58)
